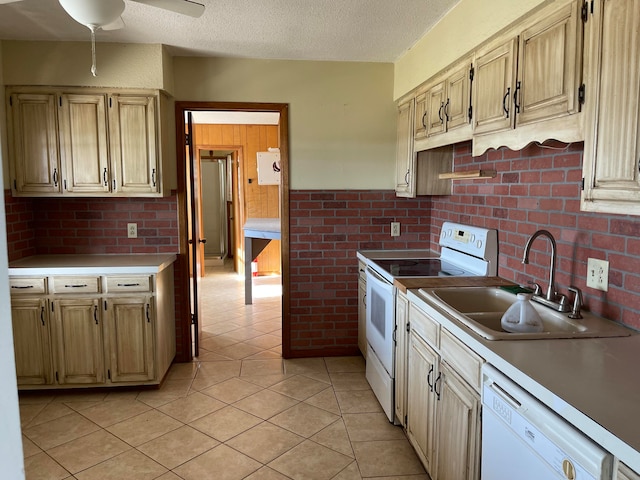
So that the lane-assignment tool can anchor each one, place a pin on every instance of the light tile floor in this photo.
(238, 411)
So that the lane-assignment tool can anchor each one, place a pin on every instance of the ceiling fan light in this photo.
(93, 12)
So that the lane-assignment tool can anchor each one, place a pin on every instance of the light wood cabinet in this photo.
(529, 80)
(612, 126)
(31, 341)
(34, 145)
(74, 331)
(85, 142)
(420, 119)
(77, 340)
(405, 164)
(402, 341)
(449, 100)
(625, 473)
(443, 400)
(362, 308)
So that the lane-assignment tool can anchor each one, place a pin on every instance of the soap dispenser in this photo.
(522, 317)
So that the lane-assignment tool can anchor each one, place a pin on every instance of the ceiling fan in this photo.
(105, 14)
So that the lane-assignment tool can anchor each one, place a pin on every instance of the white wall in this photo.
(467, 25)
(11, 461)
(341, 114)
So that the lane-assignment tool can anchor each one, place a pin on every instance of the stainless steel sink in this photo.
(481, 309)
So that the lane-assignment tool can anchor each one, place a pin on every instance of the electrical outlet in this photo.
(132, 230)
(598, 274)
(395, 229)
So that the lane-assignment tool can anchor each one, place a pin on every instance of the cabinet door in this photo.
(549, 67)
(420, 123)
(458, 97)
(33, 144)
(405, 163)
(31, 341)
(458, 428)
(83, 143)
(402, 338)
(129, 336)
(362, 309)
(437, 109)
(612, 128)
(79, 352)
(625, 473)
(134, 149)
(493, 82)
(422, 371)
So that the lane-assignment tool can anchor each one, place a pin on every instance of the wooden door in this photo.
(33, 144)
(494, 85)
(83, 143)
(402, 337)
(421, 374)
(134, 149)
(437, 109)
(420, 117)
(405, 163)
(549, 66)
(458, 97)
(129, 326)
(31, 341)
(612, 132)
(77, 333)
(458, 428)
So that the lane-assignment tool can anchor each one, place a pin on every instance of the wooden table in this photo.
(258, 232)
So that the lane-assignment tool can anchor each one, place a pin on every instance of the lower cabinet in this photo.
(402, 341)
(115, 330)
(625, 473)
(443, 401)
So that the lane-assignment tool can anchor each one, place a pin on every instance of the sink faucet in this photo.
(551, 289)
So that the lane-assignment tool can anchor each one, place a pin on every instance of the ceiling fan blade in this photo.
(184, 7)
(115, 25)
(2, 2)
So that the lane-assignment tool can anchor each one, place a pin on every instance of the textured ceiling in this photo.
(341, 30)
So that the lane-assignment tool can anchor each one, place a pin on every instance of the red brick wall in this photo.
(326, 229)
(539, 188)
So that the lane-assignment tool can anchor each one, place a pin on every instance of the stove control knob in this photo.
(479, 244)
(472, 238)
(448, 233)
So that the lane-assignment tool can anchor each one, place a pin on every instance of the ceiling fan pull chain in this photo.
(93, 50)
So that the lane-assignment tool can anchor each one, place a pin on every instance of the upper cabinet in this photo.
(84, 142)
(612, 125)
(530, 80)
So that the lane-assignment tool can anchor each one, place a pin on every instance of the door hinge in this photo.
(470, 114)
(110, 102)
(472, 71)
(60, 100)
(109, 374)
(408, 327)
(11, 101)
(57, 380)
(584, 11)
(187, 140)
(406, 420)
(15, 184)
(581, 94)
(193, 319)
(582, 184)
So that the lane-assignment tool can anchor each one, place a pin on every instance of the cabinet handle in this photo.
(424, 116)
(515, 97)
(42, 316)
(148, 316)
(55, 177)
(406, 177)
(446, 110)
(153, 177)
(435, 385)
(440, 112)
(104, 178)
(504, 101)
(75, 286)
(95, 313)
(114, 184)
(364, 299)
(128, 284)
(429, 379)
(20, 287)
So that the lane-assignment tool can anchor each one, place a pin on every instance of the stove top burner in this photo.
(424, 267)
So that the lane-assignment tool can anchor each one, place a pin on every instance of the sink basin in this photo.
(481, 309)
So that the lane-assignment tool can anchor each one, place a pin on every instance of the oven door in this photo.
(381, 319)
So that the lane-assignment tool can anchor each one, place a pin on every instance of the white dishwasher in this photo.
(523, 439)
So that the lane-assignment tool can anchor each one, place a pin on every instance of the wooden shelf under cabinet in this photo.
(468, 174)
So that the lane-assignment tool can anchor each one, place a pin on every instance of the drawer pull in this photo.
(21, 287)
(128, 284)
(76, 286)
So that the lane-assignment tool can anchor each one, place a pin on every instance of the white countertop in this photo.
(91, 264)
(594, 383)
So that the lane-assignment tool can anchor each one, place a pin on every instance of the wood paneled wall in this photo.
(250, 199)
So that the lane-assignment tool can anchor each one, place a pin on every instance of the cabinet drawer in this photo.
(135, 283)
(465, 362)
(424, 326)
(75, 284)
(27, 286)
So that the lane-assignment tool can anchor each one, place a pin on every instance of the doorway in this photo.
(191, 258)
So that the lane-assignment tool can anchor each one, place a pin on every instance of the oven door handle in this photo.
(379, 279)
